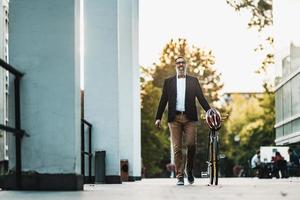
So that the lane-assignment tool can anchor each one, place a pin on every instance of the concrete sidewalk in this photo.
(164, 189)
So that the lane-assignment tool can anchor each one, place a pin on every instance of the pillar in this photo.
(44, 44)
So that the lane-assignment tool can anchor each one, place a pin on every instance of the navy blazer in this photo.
(169, 95)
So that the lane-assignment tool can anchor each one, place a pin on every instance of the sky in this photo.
(211, 25)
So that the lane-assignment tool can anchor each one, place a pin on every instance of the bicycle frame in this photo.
(213, 155)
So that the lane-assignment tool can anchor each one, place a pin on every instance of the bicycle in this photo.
(213, 156)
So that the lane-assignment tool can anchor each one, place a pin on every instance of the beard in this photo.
(179, 72)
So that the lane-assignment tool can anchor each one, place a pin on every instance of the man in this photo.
(293, 164)
(255, 161)
(256, 164)
(279, 164)
(294, 158)
(180, 92)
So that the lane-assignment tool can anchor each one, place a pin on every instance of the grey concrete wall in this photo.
(43, 45)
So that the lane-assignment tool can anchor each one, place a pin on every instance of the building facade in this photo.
(287, 80)
(3, 84)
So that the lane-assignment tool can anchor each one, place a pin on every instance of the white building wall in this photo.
(125, 80)
(137, 152)
(44, 45)
(101, 87)
(129, 101)
(112, 100)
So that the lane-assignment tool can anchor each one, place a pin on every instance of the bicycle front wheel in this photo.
(214, 164)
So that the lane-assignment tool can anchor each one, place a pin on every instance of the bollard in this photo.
(100, 167)
(124, 170)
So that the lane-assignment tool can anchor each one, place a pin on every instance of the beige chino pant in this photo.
(183, 129)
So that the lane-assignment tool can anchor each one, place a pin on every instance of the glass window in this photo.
(296, 95)
(287, 128)
(278, 105)
(296, 125)
(286, 101)
(279, 131)
(295, 65)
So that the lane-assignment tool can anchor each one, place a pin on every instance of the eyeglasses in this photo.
(180, 62)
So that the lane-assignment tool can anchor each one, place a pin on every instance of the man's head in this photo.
(180, 64)
(258, 152)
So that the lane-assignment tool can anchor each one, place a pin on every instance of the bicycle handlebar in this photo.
(223, 117)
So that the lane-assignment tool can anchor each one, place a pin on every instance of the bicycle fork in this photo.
(212, 158)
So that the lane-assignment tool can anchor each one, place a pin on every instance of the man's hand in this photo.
(157, 123)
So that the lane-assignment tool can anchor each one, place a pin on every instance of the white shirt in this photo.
(180, 100)
(255, 161)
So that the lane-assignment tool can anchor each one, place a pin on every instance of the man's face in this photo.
(180, 65)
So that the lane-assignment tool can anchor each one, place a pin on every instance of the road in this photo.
(166, 189)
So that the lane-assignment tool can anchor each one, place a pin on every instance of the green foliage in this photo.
(261, 11)
(249, 126)
(156, 143)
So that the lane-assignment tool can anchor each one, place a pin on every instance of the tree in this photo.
(250, 126)
(155, 144)
(261, 11)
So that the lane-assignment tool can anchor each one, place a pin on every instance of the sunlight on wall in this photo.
(81, 45)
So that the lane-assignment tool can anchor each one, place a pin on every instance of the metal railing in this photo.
(89, 152)
(17, 131)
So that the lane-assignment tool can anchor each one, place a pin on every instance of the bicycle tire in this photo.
(211, 161)
(216, 162)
